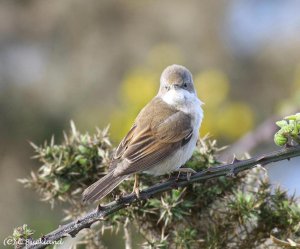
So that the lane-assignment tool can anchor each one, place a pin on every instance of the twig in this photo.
(72, 228)
(127, 234)
(264, 132)
(289, 243)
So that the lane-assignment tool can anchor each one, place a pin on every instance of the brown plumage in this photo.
(148, 143)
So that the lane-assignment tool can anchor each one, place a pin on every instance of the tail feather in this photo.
(102, 187)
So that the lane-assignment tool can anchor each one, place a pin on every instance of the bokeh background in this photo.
(99, 62)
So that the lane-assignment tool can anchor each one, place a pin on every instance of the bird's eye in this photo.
(167, 87)
(185, 85)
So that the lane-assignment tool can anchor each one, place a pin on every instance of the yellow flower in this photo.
(212, 87)
(234, 119)
(209, 124)
(138, 87)
(121, 122)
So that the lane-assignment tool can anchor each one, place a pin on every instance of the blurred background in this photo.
(99, 62)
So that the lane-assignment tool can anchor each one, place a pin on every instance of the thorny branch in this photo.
(230, 170)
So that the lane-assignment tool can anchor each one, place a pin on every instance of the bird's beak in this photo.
(175, 86)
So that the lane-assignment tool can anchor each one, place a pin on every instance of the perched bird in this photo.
(162, 138)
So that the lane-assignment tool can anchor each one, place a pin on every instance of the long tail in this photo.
(102, 187)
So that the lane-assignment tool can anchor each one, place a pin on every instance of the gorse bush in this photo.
(226, 212)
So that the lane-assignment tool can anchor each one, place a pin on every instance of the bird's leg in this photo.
(169, 175)
(188, 171)
(136, 186)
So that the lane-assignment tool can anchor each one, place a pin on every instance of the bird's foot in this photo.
(189, 172)
(137, 192)
(136, 185)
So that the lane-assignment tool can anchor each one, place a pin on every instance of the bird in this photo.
(162, 137)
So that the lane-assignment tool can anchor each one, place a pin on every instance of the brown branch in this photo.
(72, 228)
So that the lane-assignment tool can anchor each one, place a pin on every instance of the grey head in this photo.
(176, 77)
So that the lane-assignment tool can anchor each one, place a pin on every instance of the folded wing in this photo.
(152, 138)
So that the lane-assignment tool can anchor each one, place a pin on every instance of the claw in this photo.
(189, 172)
(136, 189)
(235, 160)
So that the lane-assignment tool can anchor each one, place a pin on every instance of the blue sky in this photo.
(253, 24)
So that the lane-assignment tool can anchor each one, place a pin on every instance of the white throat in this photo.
(186, 102)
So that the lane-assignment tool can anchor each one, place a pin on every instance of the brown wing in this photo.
(152, 138)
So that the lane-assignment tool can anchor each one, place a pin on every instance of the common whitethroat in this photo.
(162, 138)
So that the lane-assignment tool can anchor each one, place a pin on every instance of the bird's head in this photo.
(177, 78)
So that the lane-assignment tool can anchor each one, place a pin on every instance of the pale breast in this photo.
(192, 106)
(176, 160)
